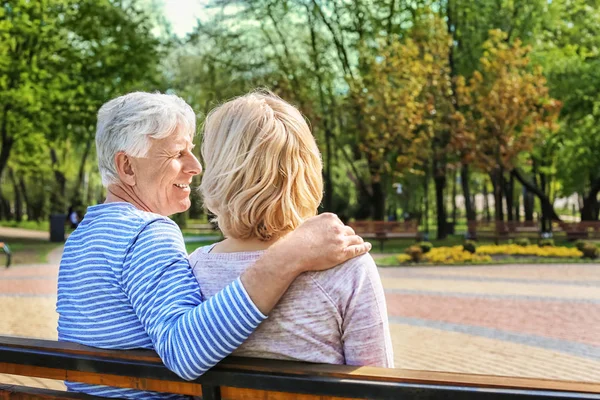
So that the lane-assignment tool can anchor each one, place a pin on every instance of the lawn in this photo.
(29, 251)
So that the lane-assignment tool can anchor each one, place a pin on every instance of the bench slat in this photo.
(243, 378)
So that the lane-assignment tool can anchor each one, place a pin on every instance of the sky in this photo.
(182, 14)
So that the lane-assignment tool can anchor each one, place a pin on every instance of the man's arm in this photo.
(321, 242)
(191, 336)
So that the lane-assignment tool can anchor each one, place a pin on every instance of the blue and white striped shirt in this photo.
(125, 282)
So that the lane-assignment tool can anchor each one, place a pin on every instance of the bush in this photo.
(415, 253)
(470, 246)
(403, 258)
(579, 244)
(455, 255)
(522, 242)
(425, 246)
(590, 250)
(546, 243)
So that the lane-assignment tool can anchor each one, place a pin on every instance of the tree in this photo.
(507, 110)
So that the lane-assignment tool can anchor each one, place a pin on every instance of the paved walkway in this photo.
(533, 321)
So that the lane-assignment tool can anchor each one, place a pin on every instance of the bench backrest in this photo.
(239, 378)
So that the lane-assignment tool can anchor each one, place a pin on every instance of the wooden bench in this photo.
(7, 253)
(577, 230)
(246, 378)
(505, 230)
(386, 230)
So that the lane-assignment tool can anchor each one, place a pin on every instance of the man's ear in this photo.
(125, 169)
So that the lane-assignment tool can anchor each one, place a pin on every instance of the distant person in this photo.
(125, 280)
(263, 178)
(73, 217)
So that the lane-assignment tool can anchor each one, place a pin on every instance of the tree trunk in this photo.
(464, 181)
(440, 186)
(528, 204)
(6, 140)
(486, 202)
(509, 186)
(77, 197)
(454, 212)
(18, 201)
(496, 177)
(57, 196)
(426, 203)
(589, 211)
(378, 201)
(547, 207)
(31, 214)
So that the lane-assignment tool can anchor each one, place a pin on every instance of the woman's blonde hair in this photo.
(262, 167)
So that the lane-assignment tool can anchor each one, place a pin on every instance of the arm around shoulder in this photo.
(189, 335)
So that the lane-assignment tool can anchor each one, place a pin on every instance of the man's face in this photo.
(163, 177)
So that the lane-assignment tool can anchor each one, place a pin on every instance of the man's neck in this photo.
(117, 193)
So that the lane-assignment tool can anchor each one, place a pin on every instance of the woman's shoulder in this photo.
(349, 275)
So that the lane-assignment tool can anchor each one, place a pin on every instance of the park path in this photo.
(19, 233)
(515, 320)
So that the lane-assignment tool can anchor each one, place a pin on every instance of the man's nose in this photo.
(192, 165)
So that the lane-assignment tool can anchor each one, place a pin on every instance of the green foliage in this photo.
(590, 251)
(546, 243)
(580, 244)
(425, 246)
(522, 242)
(470, 246)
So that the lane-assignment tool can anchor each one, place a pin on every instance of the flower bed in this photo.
(484, 254)
(531, 250)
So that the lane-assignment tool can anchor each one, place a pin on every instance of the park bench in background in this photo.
(503, 230)
(246, 378)
(386, 230)
(577, 230)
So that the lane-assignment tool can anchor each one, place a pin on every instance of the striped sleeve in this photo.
(189, 335)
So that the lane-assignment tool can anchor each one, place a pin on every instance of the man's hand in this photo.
(321, 242)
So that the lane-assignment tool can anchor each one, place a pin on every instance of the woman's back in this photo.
(337, 316)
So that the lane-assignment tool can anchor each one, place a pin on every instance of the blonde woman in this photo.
(262, 179)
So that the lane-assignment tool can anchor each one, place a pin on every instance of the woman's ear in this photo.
(125, 168)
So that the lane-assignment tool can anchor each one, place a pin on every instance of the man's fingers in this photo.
(349, 231)
(353, 239)
(357, 250)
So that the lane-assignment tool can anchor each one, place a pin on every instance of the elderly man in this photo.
(125, 281)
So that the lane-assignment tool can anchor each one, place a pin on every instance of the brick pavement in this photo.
(534, 321)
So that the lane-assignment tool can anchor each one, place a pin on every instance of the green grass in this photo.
(33, 225)
(29, 251)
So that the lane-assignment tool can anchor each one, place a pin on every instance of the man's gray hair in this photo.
(128, 122)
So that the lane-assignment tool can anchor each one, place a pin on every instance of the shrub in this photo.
(455, 255)
(546, 243)
(590, 250)
(425, 246)
(579, 244)
(470, 246)
(403, 258)
(522, 242)
(534, 250)
(415, 253)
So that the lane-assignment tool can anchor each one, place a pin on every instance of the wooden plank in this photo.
(155, 385)
(12, 392)
(244, 368)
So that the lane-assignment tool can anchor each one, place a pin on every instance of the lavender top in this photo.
(338, 316)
